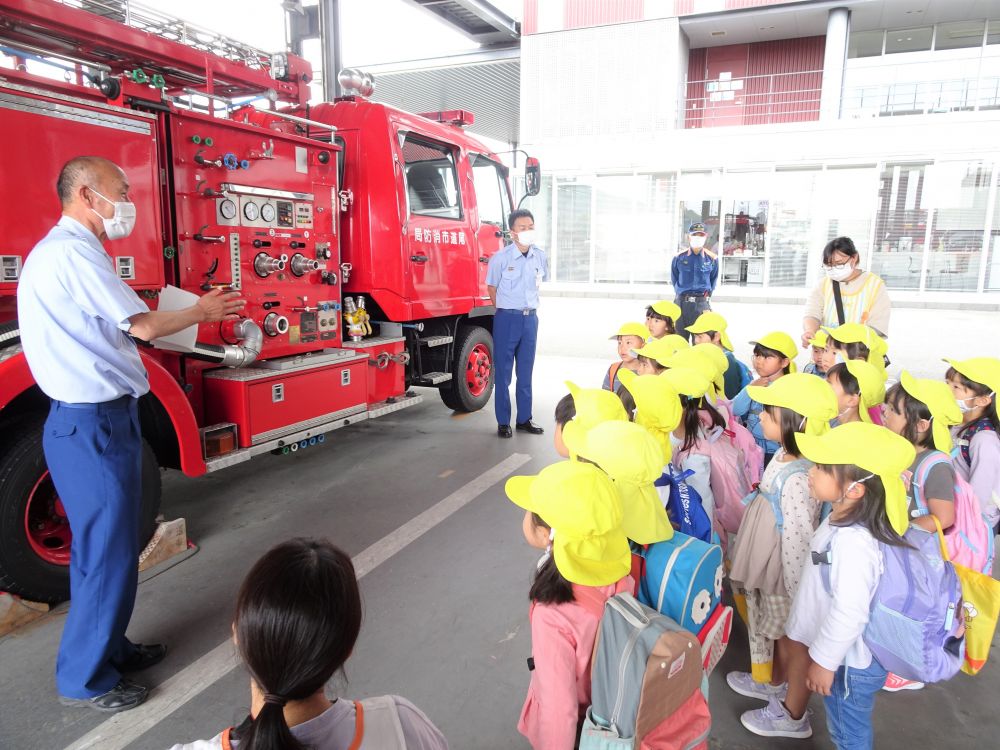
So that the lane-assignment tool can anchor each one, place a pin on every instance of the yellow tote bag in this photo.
(981, 605)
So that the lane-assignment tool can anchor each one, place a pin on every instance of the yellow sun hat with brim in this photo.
(687, 381)
(983, 370)
(873, 449)
(712, 321)
(633, 459)
(595, 405)
(819, 339)
(632, 329)
(667, 309)
(781, 342)
(937, 396)
(581, 505)
(859, 333)
(660, 350)
(804, 394)
(657, 406)
(871, 382)
(719, 360)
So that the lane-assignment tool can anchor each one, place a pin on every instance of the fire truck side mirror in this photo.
(532, 176)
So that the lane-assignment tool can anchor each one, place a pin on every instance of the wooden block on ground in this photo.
(169, 539)
(15, 612)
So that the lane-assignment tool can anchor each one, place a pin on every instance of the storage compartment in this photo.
(266, 404)
(386, 366)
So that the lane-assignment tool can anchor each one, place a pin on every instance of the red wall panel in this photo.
(578, 14)
(529, 23)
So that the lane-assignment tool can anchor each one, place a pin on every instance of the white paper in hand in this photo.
(171, 299)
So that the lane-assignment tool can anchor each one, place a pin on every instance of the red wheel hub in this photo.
(478, 369)
(45, 523)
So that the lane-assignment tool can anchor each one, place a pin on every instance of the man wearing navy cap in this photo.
(694, 273)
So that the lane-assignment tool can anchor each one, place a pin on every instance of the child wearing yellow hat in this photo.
(588, 407)
(630, 337)
(824, 355)
(858, 341)
(860, 391)
(710, 328)
(975, 383)
(657, 408)
(772, 545)
(653, 355)
(661, 318)
(574, 513)
(773, 356)
(858, 470)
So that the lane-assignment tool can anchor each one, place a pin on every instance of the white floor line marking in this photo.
(122, 729)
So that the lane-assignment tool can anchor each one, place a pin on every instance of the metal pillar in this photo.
(838, 29)
(329, 15)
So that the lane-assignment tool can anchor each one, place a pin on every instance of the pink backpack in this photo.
(970, 538)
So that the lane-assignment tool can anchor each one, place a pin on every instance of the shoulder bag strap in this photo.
(838, 300)
(359, 727)
(225, 737)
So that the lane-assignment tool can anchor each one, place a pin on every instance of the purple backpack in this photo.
(915, 628)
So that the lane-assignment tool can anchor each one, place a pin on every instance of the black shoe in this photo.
(123, 696)
(143, 657)
(530, 427)
(503, 430)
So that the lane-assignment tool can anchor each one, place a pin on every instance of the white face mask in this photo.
(697, 241)
(526, 236)
(839, 273)
(120, 225)
(963, 405)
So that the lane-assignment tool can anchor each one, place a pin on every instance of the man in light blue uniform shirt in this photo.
(74, 313)
(513, 278)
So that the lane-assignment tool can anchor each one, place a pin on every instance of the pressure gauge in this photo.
(228, 209)
(251, 211)
(267, 212)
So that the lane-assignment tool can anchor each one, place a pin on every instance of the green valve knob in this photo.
(209, 142)
(159, 82)
(196, 139)
(139, 76)
(169, 252)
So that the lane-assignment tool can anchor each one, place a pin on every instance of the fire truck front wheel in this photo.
(35, 536)
(471, 384)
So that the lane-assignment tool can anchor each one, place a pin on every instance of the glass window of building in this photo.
(909, 40)
(655, 228)
(959, 35)
(700, 194)
(900, 226)
(615, 236)
(848, 195)
(574, 200)
(865, 43)
(992, 281)
(794, 226)
(958, 197)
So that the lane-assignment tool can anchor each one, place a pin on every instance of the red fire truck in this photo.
(358, 234)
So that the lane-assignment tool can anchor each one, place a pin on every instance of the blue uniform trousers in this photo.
(94, 455)
(514, 338)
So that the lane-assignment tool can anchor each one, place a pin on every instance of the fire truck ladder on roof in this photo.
(120, 35)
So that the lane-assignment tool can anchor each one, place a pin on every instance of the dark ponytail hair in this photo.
(565, 410)
(913, 410)
(691, 419)
(298, 615)
(549, 586)
(870, 512)
(628, 401)
(790, 422)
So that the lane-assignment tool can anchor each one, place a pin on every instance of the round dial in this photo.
(251, 211)
(267, 212)
(228, 209)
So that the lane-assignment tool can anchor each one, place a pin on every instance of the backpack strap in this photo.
(785, 473)
(612, 374)
(967, 433)
(923, 470)
(359, 727)
(226, 738)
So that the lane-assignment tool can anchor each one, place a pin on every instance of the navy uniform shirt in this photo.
(694, 273)
(517, 276)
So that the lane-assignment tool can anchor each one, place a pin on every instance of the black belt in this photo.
(521, 311)
(694, 297)
(118, 403)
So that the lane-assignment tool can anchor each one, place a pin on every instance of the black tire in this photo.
(22, 465)
(457, 394)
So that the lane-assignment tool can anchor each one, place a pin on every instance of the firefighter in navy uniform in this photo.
(694, 274)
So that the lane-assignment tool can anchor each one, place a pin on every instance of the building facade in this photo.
(780, 125)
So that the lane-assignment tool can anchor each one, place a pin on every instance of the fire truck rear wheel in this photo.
(34, 532)
(471, 384)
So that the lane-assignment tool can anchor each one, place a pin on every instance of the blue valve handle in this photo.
(230, 161)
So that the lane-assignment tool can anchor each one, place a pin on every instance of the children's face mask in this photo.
(965, 407)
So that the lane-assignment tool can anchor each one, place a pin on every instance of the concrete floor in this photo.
(445, 617)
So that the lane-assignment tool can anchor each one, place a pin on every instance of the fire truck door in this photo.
(492, 209)
(438, 247)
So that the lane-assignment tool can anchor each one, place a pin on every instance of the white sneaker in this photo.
(774, 721)
(894, 683)
(744, 684)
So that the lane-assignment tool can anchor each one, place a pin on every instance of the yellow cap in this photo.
(687, 381)
(874, 449)
(633, 459)
(780, 342)
(859, 333)
(595, 405)
(667, 309)
(940, 401)
(660, 350)
(712, 321)
(871, 382)
(632, 329)
(984, 370)
(657, 406)
(581, 505)
(807, 395)
(819, 339)
(719, 360)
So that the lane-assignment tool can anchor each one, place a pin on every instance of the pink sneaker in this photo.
(894, 683)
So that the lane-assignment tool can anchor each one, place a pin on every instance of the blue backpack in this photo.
(915, 628)
(785, 473)
(684, 506)
(682, 579)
